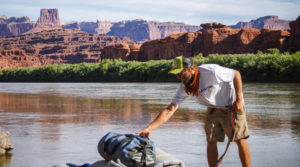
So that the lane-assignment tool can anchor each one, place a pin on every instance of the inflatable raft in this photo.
(163, 159)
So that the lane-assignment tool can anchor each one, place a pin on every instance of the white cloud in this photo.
(187, 11)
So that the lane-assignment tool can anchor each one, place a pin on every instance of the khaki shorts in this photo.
(218, 123)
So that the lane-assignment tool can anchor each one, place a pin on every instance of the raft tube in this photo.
(163, 159)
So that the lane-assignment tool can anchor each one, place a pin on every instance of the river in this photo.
(53, 123)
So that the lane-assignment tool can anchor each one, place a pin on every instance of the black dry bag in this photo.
(132, 150)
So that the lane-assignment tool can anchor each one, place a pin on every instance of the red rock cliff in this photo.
(75, 46)
(123, 50)
(53, 47)
(213, 38)
(294, 42)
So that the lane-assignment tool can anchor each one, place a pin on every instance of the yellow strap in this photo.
(162, 155)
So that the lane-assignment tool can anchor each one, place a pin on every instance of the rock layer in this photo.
(53, 47)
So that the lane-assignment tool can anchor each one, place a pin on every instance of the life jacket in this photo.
(130, 149)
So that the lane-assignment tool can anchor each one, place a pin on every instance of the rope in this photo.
(228, 147)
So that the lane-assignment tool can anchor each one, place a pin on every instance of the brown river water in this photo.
(53, 123)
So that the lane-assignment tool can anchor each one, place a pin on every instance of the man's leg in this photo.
(244, 152)
(212, 153)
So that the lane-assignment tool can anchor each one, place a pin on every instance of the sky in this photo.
(193, 12)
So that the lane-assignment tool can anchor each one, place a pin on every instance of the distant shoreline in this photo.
(260, 67)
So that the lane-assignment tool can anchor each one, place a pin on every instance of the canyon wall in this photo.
(53, 47)
(141, 30)
(48, 41)
(138, 30)
(266, 22)
(14, 25)
(74, 46)
(294, 41)
(213, 38)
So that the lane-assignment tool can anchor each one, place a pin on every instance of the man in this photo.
(220, 89)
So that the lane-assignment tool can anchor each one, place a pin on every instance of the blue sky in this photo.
(193, 12)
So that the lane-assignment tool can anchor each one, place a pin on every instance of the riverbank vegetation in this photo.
(261, 67)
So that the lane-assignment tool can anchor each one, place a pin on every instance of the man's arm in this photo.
(163, 117)
(237, 81)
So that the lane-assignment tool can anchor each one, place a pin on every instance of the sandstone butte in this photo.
(74, 46)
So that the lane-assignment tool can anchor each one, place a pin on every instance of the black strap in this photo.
(143, 149)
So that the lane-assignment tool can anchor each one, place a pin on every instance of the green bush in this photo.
(273, 51)
(260, 67)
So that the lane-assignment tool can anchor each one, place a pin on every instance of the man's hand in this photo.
(145, 133)
(162, 117)
(237, 106)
